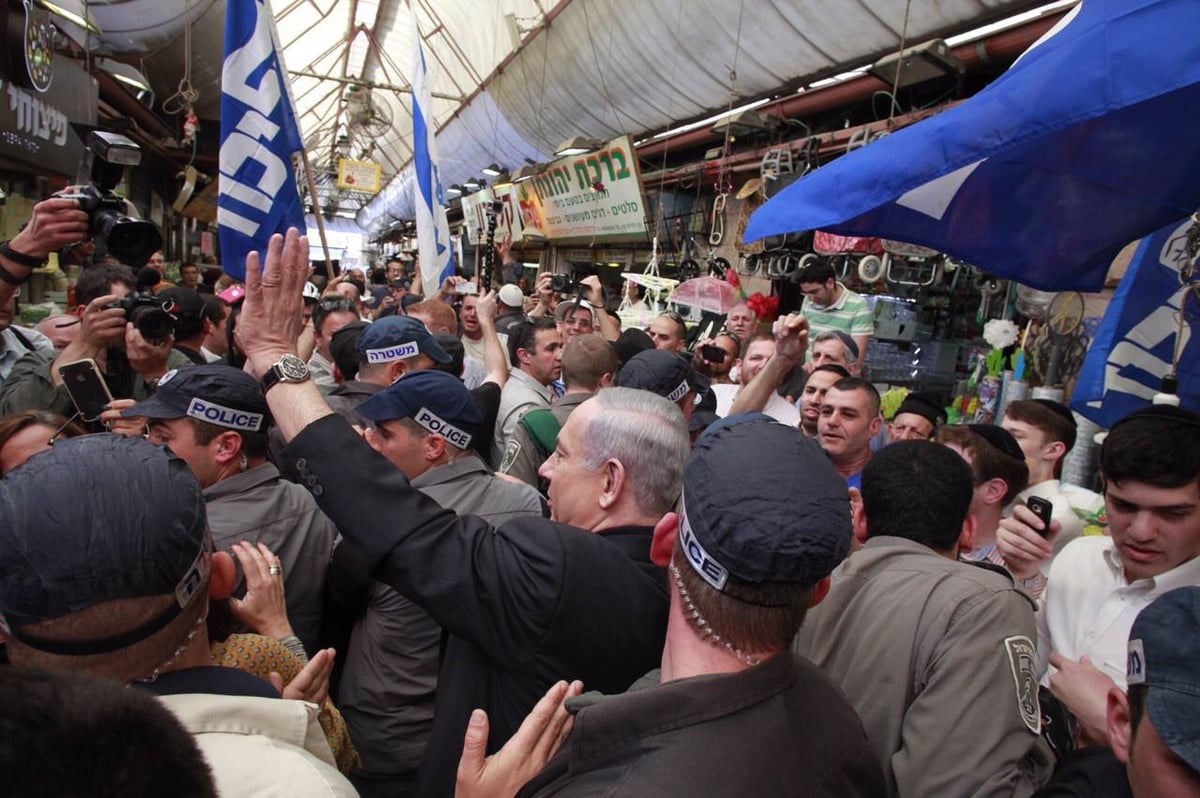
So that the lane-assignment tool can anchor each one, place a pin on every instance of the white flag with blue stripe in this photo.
(433, 231)
(258, 194)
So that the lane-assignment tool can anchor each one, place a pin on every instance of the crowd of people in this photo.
(358, 541)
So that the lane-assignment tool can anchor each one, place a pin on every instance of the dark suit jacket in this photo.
(525, 604)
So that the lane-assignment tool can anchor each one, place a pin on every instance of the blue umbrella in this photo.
(1088, 142)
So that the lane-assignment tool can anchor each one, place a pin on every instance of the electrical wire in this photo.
(899, 63)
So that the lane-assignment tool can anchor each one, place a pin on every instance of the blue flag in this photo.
(258, 194)
(1136, 343)
(433, 230)
(1087, 143)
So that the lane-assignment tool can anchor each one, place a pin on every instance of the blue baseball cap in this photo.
(661, 372)
(397, 338)
(435, 400)
(1164, 655)
(218, 394)
(762, 503)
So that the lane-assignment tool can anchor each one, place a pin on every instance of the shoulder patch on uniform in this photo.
(511, 452)
(1022, 658)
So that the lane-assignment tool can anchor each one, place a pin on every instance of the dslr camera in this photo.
(132, 241)
(154, 318)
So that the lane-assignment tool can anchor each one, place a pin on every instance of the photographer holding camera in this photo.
(119, 330)
(589, 289)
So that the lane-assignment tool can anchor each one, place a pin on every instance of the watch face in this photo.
(292, 368)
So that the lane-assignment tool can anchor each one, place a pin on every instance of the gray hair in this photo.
(830, 335)
(646, 434)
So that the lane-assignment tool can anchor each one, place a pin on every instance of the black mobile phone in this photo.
(87, 388)
(712, 353)
(1043, 509)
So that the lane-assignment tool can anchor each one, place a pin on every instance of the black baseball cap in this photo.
(661, 372)
(94, 519)
(215, 393)
(762, 503)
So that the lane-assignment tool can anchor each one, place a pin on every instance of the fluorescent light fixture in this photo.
(578, 145)
(492, 170)
(473, 184)
(502, 181)
(125, 73)
(527, 172)
(72, 16)
(454, 190)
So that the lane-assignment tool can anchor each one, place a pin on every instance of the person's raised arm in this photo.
(55, 223)
(270, 324)
(609, 328)
(791, 342)
(495, 359)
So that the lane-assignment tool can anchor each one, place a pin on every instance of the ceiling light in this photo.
(933, 59)
(125, 73)
(454, 190)
(492, 170)
(578, 145)
(502, 181)
(527, 172)
(71, 16)
(473, 183)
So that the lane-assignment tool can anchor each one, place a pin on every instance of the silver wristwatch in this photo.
(288, 368)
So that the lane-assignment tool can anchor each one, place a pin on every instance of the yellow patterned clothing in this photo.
(259, 655)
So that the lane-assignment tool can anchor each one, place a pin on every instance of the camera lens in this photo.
(132, 241)
(154, 323)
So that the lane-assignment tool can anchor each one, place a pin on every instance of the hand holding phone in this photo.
(1044, 510)
(87, 388)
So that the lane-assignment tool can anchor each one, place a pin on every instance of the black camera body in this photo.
(132, 241)
(562, 284)
(153, 318)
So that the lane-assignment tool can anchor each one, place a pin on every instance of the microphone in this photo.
(147, 278)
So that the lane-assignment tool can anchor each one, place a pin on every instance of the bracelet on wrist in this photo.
(21, 259)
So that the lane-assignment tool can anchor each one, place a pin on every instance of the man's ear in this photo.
(1120, 729)
(1055, 450)
(224, 576)
(615, 481)
(966, 538)
(663, 545)
(995, 491)
(606, 380)
(858, 520)
(395, 370)
(820, 591)
(433, 447)
(228, 447)
(876, 423)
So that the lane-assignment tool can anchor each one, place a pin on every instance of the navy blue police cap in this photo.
(435, 400)
(218, 394)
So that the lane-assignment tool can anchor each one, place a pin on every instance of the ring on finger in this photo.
(275, 570)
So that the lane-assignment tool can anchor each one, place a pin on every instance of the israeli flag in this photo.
(1138, 339)
(258, 194)
(433, 231)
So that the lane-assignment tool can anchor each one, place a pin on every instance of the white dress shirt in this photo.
(1088, 607)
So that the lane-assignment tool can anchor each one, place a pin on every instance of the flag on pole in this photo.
(1136, 343)
(258, 195)
(433, 231)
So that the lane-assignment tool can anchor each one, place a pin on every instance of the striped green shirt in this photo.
(850, 314)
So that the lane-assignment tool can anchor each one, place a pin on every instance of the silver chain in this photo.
(703, 625)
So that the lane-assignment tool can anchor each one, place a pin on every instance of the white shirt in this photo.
(777, 407)
(1064, 508)
(1088, 607)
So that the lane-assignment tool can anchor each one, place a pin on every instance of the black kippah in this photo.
(1057, 407)
(999, 437)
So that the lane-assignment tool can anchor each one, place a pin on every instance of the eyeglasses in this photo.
(728, 333)
(331, 304)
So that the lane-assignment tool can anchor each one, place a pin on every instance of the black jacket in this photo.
(781, 728)
(525, 604)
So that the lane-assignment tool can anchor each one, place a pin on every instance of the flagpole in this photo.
(312, 193)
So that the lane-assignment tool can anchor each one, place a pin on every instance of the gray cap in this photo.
(98, 518)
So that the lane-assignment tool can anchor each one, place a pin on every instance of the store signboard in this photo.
(508, 218)
(592, 197)
(364, 176)
(35, 128)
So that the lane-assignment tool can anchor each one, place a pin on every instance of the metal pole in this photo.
(312, 193)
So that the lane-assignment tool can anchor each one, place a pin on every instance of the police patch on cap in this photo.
(388, 354)
(432, 422)
(213, 413)
(1022, 658)
(1135, 663)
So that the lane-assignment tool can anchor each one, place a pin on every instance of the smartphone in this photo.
(466, 288)
(87, 388)
(712, 353)
(1043, 509)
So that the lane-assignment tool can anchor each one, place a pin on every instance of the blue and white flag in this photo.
(258, 195)
(1136, 343)
(433, 231)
